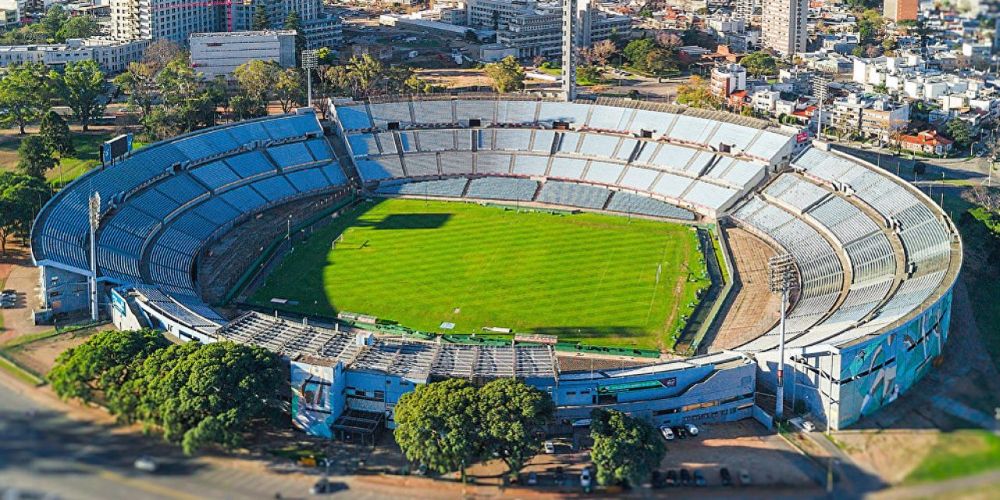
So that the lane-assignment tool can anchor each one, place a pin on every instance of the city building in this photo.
(177, 20)
(901, 10)
(869, 117)
(112, 56)
(535, 29)
(218, 54)
(783, 25)
(926, 142)
(727, 79)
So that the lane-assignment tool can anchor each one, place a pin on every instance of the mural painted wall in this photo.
(317, 396)
(875, 373)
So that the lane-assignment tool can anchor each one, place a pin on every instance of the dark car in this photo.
(657, 480)
(680, 432)
(727, 479)
(671, 478)
(685, 477)
(699, 479)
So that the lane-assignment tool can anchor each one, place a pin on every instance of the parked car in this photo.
(691, 429)
(656, 481)
(671, 478)
(808, 426)
(725, 477)
(560, 475)
(699, 479)
(550, 447)
(145, 463)
(685, 477)
(745, 478)
(680, 432)
(668, 434)
(583, 422)
(532, 479)
(585, 479)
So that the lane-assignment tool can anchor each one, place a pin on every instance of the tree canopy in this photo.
(445, 425)
(197, 394)
(696, 93)
(81, 86)
(626, 450)
(54, 130)
(22, 95)
(35, 157)
(506, 74)
(21, 196)
(960, 131)
(760, 64)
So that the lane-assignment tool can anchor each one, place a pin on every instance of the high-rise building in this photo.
(745, 9)
(219, 54)
(177, 20)
(783, 25)
(901, 10)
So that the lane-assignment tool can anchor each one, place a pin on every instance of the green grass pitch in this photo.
(585, 277)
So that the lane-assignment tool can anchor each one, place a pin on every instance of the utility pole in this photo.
(782, 279)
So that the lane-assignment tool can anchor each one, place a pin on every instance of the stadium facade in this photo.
(876, 259)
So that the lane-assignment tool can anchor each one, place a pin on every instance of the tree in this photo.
(21, 96)
(77, 27)
(257, 80)
(53, 21)
(870, 26)
(55, 132)
(81, 86)
(668, 40)
(160, 53)
(696, 93)
(288, 88)
(416, 85)
(294, 23)
(513, 416)
(660, 61)
(588, 74)
(21, 196)
(35, 157)
(95, 369)
(437, 425)
(507, 74)
(260, 20)
(139, 83)
(599, 53)
(960, 131)
(209, 394)
(637, 52)
(337, 80)
(626, 450)
(760, 64)
(365, 71)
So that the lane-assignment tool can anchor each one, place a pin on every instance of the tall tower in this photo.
(576, 34)
(783, 25)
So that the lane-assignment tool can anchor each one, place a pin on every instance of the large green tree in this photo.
(760, 64)
(696, 93)
(22, 96)
(260, 20)
(21, 196)
(288, 89)
(507, 74)
(437, 425)
(55, 132)
(81, 86)
(95, 369)
(637, 52)
(960, 131)
(294, 23)
(513, 417)
(77, 27)
(35, 157)
(626, 450)
(257, 80)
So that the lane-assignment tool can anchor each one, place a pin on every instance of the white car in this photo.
(145, 463)
(808, 426)
(692, 429)
(668, 434)
(583, 422)
(550, 448)
(585, 478)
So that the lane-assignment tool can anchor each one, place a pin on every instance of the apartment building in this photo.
(901, 10)
(727, 79)
(869, 117)
(783, 25)
(112, 56)
(535, 29)
(219, 54)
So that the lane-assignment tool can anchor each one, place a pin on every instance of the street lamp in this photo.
(782, 279)
(309, 63)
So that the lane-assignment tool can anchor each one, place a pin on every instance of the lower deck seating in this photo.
(502, 188)
(644, 205)
(451, 188)
(574, 195)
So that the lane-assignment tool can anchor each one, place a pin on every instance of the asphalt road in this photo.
(43, 452)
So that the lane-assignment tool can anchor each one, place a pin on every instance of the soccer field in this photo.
(584, 277)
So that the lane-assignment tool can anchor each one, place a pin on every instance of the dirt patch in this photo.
(40, 356)
(892, 454)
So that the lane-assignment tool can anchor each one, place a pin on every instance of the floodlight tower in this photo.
(94, 207)
(309, 62)
(575, 35)
(782, 279)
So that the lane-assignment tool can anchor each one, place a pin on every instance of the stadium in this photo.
(191, 234)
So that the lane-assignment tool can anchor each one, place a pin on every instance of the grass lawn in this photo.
(959, 453)
(585, 277)
(87, 156)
